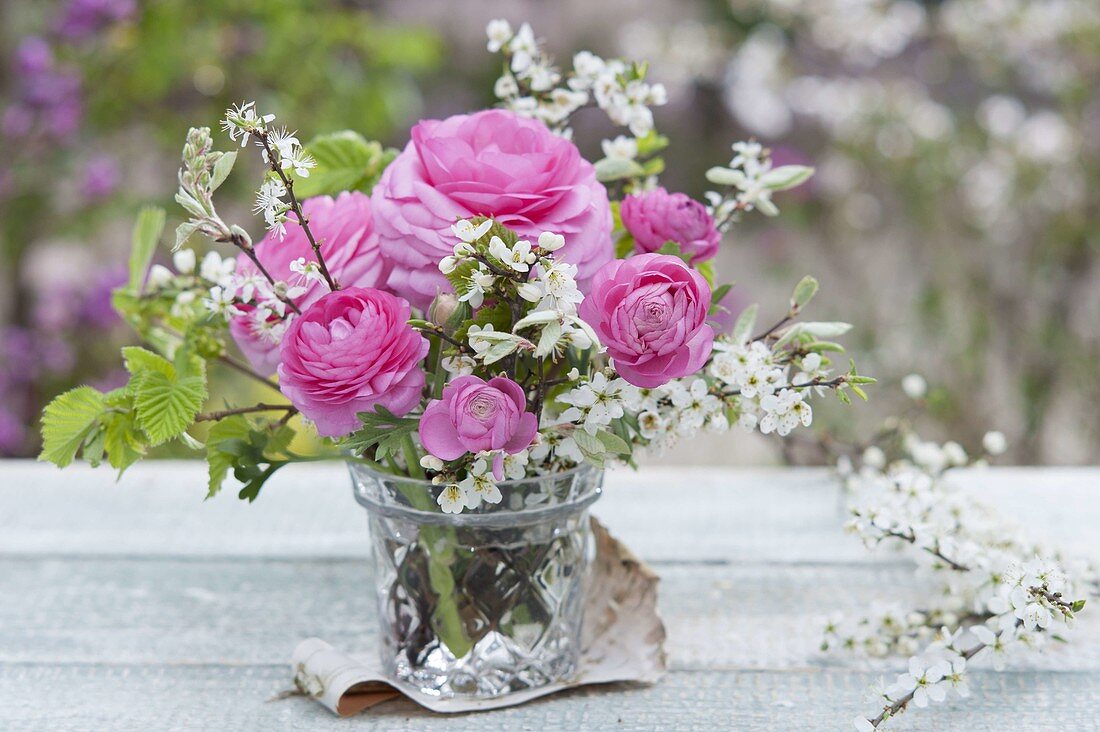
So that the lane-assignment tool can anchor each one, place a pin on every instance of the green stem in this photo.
(412, 459)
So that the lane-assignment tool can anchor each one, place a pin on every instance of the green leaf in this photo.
(381, 430)
(460, 277)
(804, 291)
(672, 248)
(166, 404)
(786, 176)
(611, 169)
(228, 432)
(139, 360)
(1078, 606)
(707, 270)
(746, 321)
(614, 443)
(650, 143)
(67, 421)
(590, 445)
(346, 161)
(123, 439)
(222, 168)
(147, 231)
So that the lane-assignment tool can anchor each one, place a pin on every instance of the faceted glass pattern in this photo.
(486, 602)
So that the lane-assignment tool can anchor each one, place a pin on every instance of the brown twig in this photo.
(276, 168)
(215, 416)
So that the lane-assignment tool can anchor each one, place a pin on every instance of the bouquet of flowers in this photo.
(484, 306)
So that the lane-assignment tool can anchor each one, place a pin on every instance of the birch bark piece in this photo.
(622, 640)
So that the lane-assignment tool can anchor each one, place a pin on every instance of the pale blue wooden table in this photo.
(137, 606)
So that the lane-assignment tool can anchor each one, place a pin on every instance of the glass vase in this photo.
(483, 603)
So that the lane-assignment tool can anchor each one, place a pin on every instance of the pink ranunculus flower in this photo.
(493, 163)
(348, 352)
(657, 216)
(345, 229)
(650, 311)
(476, 416)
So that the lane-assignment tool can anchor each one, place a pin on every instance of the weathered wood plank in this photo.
(687, 514)
(135, 698)
(719, 617)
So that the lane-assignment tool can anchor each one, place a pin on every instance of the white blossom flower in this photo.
(431, 462)
(499, 32)
(184, 261)
(551, 242)
(159, 276)
(621, 148)
(524, 49)
(914, 386)
(460, 365)
(216, 269)
(515, 465)
(783, 411)
(480, 488)
(452, 499)
(518, 257)
(559, 283)
(597, 402)
(994, 442)
(468, 233)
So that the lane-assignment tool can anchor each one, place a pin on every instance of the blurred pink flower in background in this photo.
(350, 350)
(492, 163)
(345, 229)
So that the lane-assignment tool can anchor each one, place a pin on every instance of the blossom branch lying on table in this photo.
(995, 593)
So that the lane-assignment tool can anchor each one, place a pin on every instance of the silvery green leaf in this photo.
(184, 232)
(765, 206)
(538, 317)
(609, 169)
(613, 443)
(222, 169)
(589, 444)
(786, 176)
(498, 351)
(825, 329)
(746, 321)
(720, 176)
(804, 291)
(551, 334)
(192, 204)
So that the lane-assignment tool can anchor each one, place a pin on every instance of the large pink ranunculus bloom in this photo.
(475, 416)
(348, 352)
(492, 163)
(650, 311)
(349, 245)
(657, 216)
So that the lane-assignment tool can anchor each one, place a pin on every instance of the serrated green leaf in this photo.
(382, 430)
(67, 422)
(147, 231)
(346, 161)
(167, 406)
(93, 448)
(123, 439)
(138, 360)
(746, 321)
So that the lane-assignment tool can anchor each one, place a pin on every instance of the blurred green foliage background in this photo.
(955, 217)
